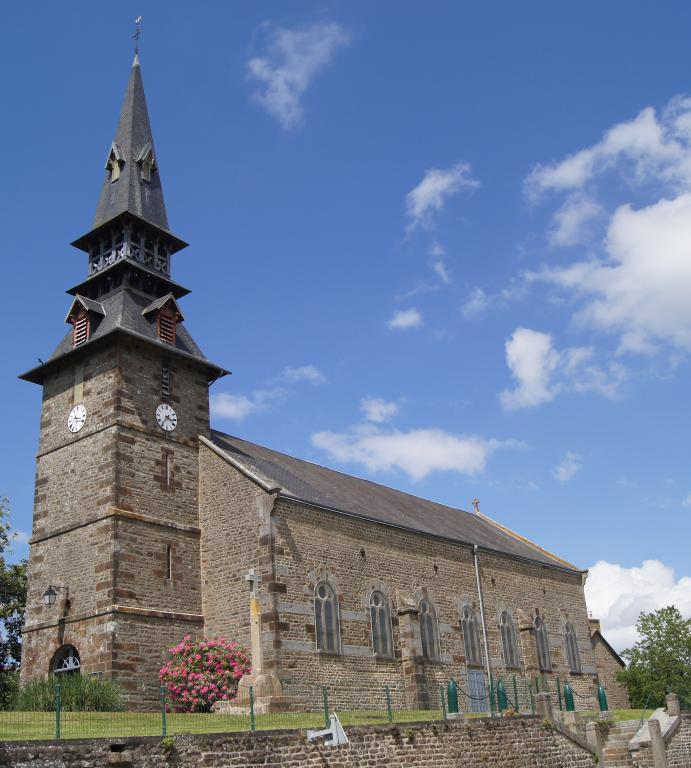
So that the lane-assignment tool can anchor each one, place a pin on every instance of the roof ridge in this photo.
(525, 540)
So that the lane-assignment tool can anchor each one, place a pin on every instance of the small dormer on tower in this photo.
(147, 162)
(114, 162)
(84, 316)
(167, 315)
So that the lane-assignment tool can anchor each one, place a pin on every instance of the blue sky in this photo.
(443, 246)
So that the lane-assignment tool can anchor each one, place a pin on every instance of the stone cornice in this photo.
(114, 512)
(149, 613)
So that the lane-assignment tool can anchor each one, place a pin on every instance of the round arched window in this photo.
(66, 661)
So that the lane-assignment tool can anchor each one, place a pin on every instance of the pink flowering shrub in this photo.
(202, 672)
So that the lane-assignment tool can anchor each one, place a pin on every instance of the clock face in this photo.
(166, 417)
(77, 417)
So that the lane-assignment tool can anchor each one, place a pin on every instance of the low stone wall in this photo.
(511, 743)
(679, 747)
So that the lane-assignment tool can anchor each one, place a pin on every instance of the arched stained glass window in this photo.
(471, 637)
(429, 634)
(544, 659)
(66, 661)
(326, 618)
(572, 655)
(509, 641)
(380, 616)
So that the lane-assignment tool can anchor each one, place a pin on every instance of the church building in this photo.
(150, 525)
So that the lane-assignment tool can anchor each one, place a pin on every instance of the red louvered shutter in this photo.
(166, 326)
(81, 329)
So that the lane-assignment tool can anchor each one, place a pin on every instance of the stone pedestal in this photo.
(593, 734)
(544, 706)
(673, 706)
(657, 744)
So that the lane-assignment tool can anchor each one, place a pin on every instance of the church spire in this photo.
(132, 183)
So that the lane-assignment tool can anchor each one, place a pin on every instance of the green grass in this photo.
(619, 714)
(17, 725)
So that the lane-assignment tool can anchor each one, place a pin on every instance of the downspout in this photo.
(476, 550)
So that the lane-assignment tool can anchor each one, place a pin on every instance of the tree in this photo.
(660, 662)
(12, 605)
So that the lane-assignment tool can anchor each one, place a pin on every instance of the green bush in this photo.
(78, 693)
(9, 688)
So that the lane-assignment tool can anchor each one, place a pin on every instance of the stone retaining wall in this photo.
(509, 743)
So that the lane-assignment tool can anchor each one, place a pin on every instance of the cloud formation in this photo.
(542, 372)
(567, 468)
(237, 407)
(437, 186)
(404, 319)
(637, 282)
(377, 409)
(417, 452)
(616, 595)
(294, 57)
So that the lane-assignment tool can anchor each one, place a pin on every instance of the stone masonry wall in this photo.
(109, 502)
(679, 747)
(510, 743)
(229, 519)
(357, 556)
(607, 669)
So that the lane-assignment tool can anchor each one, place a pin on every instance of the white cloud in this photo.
(542, 372)
(637, 285)
(686, 501)
(309, 373)
(572, 220)
(237, 407)
(476, 303)
(641, 289)
(567, 468)
(292, 61)
(652, 146)
(616, 595)
(403, 319)
(436, 187)
(418, 452)
(225, 405)
(377, 409)
(442, 272)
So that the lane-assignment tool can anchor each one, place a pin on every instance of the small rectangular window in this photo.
(169, 469)
(165, 382)
(169, 563)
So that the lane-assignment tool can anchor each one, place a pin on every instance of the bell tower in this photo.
(114, 566)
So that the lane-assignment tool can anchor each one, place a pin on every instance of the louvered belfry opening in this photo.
(166, 325)
(81, 328)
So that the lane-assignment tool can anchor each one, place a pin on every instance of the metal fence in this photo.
(311, 709)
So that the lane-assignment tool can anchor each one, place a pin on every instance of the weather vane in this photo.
(137, 33)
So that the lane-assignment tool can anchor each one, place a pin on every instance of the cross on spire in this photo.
(476, 505)
(137, 33)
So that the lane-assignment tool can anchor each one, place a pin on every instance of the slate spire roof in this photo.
(136, 184)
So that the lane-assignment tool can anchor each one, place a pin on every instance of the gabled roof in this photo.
(316, 485)
(160, 303)
(597, 635)
(88, 304)
(133, 140)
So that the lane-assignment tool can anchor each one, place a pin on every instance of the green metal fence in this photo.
(306, 707)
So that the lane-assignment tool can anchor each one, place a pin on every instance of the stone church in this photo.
(150, 525)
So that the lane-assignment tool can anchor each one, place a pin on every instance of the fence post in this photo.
(253, 723)
(325, 701)
(58, 710)
(491, 697)
(537, 685)
(389, 708)
(443, 701)
(164, 725)
(515, 695)
(561, 709)
(532, 700)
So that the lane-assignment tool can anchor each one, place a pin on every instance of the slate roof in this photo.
(123, 311)
(351, 495)
(130, 193)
